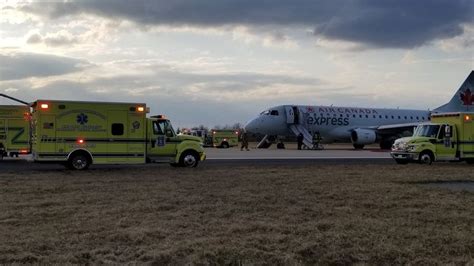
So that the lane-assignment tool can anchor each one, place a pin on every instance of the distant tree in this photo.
(229, 126)
(200, 127)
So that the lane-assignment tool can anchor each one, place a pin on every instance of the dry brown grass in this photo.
(239, 215)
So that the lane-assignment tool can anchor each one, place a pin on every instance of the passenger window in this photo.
(405, 117)
(417, 118)
(398, 117)
(354, 116)
(117, 129)
(360, 116)
(393, 117)
(366, 116)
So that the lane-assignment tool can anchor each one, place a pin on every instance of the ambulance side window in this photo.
(117, 129)
(158, 128)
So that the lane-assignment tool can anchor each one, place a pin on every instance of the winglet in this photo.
(463, 99)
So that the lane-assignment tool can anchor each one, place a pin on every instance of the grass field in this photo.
(336, 214)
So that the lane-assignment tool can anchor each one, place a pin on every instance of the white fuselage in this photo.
(333, 123)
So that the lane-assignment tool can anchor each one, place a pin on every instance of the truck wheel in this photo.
(79, 161)
(225, 145)
(398, 161)
(189, 159)
(426, 158)
(358, 146)
(470, 161)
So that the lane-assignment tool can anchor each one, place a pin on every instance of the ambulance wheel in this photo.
(79, 161)
(225, 145)
(426, 157)
(386, 144)
(358, 146)
(189, 159)
(399, 161)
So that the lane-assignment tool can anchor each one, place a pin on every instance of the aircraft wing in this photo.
(396, 128)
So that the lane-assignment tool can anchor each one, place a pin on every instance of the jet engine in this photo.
(361, 137)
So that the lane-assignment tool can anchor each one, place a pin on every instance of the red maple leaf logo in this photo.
(310, 109)
(467, 97)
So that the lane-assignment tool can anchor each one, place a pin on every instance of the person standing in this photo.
(316, 140)
(299, 139)
(245, 141)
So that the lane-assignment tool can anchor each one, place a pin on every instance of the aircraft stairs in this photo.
(265, 143)
(307, 138)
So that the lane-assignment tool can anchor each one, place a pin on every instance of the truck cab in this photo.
(163, 144)
(449, 137)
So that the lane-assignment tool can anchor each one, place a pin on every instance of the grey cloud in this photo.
(390, 23)
(34, 39)
(165, 89)
(24, 65)
(53, 40)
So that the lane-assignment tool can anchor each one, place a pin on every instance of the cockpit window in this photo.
(267, 112)
(274, 112)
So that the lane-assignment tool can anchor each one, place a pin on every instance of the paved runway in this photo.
(334, 154)
(291, 154)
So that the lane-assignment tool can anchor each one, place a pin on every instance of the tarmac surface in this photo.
(336, 154)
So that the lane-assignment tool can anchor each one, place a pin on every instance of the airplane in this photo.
(360, 126)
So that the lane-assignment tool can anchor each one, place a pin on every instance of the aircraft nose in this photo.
(252, 126)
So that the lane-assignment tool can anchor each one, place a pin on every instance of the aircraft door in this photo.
(290, 115)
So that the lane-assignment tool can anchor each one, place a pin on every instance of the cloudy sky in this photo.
(223, 61)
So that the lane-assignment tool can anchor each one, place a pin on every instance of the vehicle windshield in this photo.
(430, 131)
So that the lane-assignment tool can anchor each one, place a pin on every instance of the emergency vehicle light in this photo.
(44, 106)
(23, 151)
(237, 132)
(467, 118)
(80, 141)
(140, 109)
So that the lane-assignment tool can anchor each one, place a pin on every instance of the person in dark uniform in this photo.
(245, 141)
(300, 140)
(316, 139)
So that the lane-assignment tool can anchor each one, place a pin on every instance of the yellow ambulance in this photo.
(223, 138)
(448, 137)
(14, 130)
(79, 134)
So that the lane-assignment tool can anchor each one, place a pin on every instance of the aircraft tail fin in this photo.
(463, 99)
